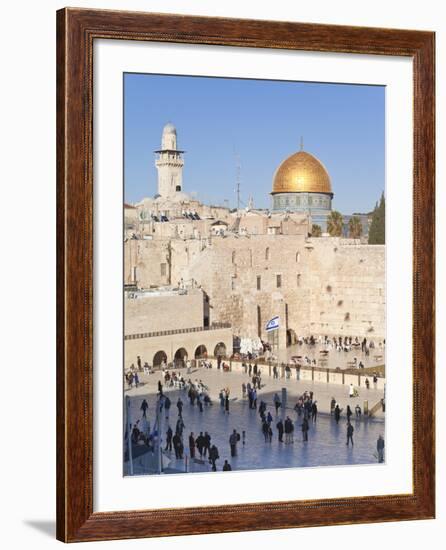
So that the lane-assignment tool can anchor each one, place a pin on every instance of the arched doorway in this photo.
(201, 352)
(220, 349)
(291, 337)
(159, 358)
(180, 357)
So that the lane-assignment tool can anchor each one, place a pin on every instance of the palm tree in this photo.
(316, 230)
(354, 228)
(334, 224)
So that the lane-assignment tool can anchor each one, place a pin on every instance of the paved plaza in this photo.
(327, 440)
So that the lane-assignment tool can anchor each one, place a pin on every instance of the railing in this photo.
(214, 326)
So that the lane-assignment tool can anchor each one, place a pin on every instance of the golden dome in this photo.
(301, 172)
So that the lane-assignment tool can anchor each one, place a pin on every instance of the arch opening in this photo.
(220, 350)
(159, 358)
(180, 358)
(201, 352)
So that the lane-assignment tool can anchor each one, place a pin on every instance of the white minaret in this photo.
(169, 164)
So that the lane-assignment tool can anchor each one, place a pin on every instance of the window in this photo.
(134, 274)
(298, 279)
(232, 283)
(278, 281)
(297, 257)
(163, 270)
(267, 254)
(233, 256)
(259, 282)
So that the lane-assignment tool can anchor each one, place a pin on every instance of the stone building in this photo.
(250, 265)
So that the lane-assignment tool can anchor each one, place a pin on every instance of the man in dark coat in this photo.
(192, 445)
(305, 428)
(279, 426)
(227, 467)
(233, 439)
(177, 446)
(337, 413)
(213, 456)
(200, 444)
(169, 435)
(144, 407)
(314, 411)
(350, 430)
(207, 443)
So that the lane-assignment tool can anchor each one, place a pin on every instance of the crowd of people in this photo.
(274, 419)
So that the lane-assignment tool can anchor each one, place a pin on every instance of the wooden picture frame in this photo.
(76, 31)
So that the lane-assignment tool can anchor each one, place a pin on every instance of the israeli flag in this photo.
(272, 324)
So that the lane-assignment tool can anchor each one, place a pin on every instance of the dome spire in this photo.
(301, 143)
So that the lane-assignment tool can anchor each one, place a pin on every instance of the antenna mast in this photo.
(237, 179)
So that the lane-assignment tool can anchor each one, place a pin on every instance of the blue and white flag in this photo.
(272, 324)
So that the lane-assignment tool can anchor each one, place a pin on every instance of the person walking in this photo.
(277, 402)
(349, 413)
(314, 411)
(233, 439)
(350, 431)
(337, 413)
(199, 442)
(227, 404)
(180, 407)
(265, 430)
(207, 443)
(305, 428)
(351, 391)
(380, 448)
(177, 446)
(192, 445)
(167, 404)
(279, 427)
(213, 456)
(169, 435)
(227, 467)
(144, 407)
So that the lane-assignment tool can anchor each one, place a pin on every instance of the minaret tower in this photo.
(169, 164)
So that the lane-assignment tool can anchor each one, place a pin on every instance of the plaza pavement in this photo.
(216, 379)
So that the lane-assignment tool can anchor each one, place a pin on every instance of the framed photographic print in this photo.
(245, 275)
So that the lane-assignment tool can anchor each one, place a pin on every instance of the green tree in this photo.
(354, 227)
(334, 223)
(377, 232)
(316, 230)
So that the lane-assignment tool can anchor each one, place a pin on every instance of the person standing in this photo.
(139, 363)
(200, 444)
(177, 446)
(350, 430)
(180, 407)
(305, 428)
(314, 411)
(233, 439)
(192, 445)
(167, 404)
(337, 413)
(213, 456)
(349, 413)
(207, 443)
(351, 391)
(227, 404)
(380, 448)
(279, 427)
(144, 407)
(169, 435)
(277, 402)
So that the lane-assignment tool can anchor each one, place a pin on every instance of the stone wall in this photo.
(322, 286)
(147, 348)
(163, 311)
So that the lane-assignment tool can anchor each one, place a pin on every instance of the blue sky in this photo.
(263, 121)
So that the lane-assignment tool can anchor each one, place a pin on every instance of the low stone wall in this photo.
(318, 375)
